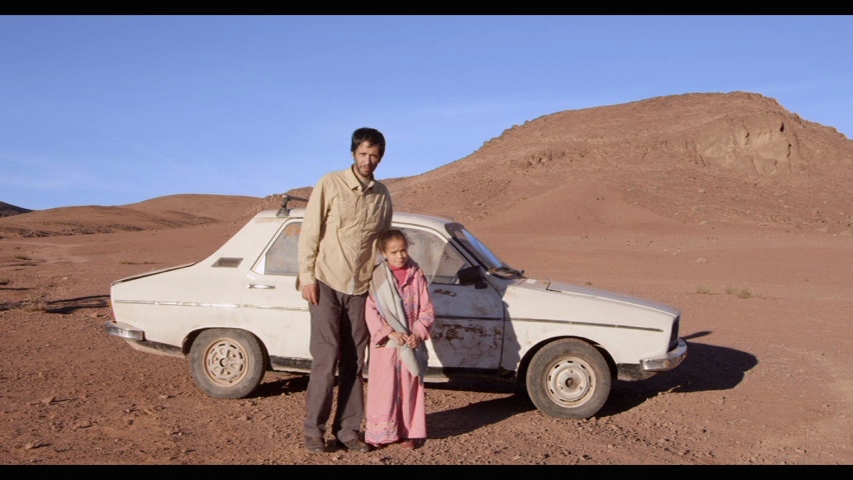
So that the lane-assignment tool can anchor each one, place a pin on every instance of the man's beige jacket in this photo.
(343, 219)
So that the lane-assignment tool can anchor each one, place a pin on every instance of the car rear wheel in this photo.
(227, 363)
(568, 378)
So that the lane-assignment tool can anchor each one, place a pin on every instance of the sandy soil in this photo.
(767, 379)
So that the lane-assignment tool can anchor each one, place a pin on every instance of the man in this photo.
(346, 213)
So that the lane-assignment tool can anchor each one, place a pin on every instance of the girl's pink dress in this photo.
(395, 408)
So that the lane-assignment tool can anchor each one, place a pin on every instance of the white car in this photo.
(237, 314)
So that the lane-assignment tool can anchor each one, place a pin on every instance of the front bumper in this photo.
(672, 359)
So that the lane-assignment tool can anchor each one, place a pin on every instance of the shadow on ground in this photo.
(707, 367)
(73, 304)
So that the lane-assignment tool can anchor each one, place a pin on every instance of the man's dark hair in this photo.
(370, 135)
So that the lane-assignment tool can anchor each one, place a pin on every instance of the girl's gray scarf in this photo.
(383, 288)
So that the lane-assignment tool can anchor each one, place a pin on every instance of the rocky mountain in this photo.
(696, 158)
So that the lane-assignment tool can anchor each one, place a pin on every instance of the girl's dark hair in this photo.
(389, 235)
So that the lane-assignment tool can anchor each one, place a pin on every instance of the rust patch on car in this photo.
(441, 291)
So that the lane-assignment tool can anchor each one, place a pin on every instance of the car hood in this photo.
(594, 293)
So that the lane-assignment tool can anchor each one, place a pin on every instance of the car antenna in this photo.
(286, 198)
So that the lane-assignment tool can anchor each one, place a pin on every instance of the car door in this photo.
(469, 327)
(273, 305)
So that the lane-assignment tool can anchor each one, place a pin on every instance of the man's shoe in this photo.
(315, 444)
(355, 445)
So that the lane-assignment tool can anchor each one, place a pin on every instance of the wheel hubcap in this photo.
(570, 382)
(226, 362)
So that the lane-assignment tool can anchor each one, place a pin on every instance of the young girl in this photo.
(399, 316)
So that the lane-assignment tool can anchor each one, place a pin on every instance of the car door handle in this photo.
(257, 285)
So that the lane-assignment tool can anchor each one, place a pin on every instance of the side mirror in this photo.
(471, 276)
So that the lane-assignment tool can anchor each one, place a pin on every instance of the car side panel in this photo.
(278, 314)
(170, 305)
(628, 333)
(469, 327)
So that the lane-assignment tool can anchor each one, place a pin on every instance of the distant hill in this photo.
(161, 212)
(7, 210)
(700, 159)
(705, 158)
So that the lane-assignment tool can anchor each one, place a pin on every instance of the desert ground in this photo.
(766, 315)
(760, 268)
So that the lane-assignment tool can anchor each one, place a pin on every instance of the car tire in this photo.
(568, 378)
(227, 363)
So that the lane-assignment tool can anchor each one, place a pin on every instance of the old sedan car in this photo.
(237, 315)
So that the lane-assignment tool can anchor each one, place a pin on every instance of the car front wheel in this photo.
(568, 378)
(227, 363)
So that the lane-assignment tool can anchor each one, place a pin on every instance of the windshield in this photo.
(481, 252)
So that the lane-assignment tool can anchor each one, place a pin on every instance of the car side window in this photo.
(438, 259)
(281, 258)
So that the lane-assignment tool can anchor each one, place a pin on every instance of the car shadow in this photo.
(64, 306)
(457, 421)
(278, 383)
(706, 368)
(73, 304)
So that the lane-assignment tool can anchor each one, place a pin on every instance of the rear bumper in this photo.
(124, 330)
(672, 359)
(136, 339)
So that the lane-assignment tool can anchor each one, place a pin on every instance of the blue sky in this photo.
(112, 110)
